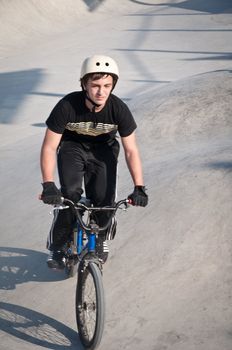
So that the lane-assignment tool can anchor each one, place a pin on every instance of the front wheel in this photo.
(90, 305)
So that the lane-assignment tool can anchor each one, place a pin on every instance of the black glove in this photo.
(51, 194)
(139, 196)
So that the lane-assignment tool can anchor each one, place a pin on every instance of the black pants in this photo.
(93, 167)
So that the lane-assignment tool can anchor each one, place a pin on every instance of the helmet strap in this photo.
(92, 102)
(93, 108)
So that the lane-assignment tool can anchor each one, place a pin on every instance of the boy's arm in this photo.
(48, 155)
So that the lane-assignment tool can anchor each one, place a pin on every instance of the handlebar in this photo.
(80, 206)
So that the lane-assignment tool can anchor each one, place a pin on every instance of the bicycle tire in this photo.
(90, 305)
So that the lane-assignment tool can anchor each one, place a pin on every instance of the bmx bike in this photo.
(81, 257)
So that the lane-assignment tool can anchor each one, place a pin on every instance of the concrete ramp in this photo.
(26, 23)
(168, 278)
(198, 107)
(173, 262)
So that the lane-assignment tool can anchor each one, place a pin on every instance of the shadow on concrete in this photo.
(150, 81)
(178, 51)
(35, 328)
(19, 266)
(209, 55)
(220, 165)
(46, 94)
(208, 6)
(14, 87)
(181, 30)
(224, 57)
(93, 4)
(39, 125)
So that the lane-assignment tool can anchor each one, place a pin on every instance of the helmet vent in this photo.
(106, 64)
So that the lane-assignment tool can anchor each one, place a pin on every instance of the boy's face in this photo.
(99, 90)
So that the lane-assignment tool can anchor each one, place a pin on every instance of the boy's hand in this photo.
(139, 196)
(51, 194)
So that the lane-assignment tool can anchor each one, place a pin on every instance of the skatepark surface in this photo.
(168, 278)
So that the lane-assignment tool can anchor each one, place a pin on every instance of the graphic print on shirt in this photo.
(91, 129)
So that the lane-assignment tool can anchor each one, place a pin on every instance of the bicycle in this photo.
(81, 250)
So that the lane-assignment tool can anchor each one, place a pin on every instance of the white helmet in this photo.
(99, 64)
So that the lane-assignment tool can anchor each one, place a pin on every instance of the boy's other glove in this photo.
(51, 194)
(139, 196)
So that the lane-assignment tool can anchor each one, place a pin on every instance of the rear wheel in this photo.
(90, 308)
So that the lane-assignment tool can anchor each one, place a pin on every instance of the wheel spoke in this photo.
(90, 305)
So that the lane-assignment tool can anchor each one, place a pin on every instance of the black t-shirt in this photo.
(71, 118)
